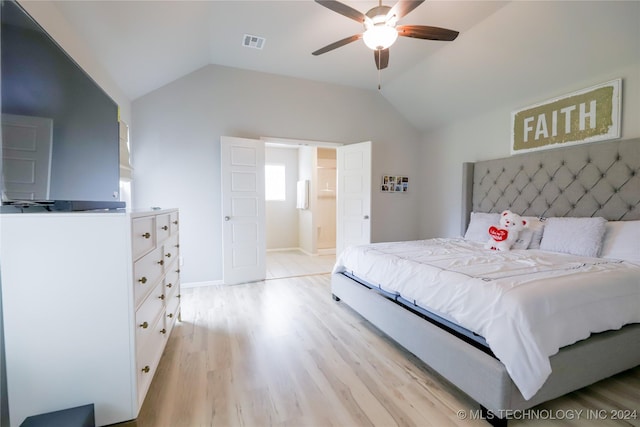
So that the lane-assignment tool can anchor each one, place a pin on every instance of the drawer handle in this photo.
(161, 262)
(146, 235)
(178, 245)
(161, 296)
(163, 331)
(165, 227)
(178, 296)
(169, 285)
(168, 255)
(170, 315)
(178, 271)
(144, 325)
(175, 222)
(146, 369)
(143, 280)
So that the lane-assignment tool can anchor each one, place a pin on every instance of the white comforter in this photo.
(525, 303)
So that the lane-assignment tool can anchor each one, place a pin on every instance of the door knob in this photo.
(227, 218)
(366, 217)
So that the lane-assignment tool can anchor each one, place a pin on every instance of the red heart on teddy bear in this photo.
(498, 234)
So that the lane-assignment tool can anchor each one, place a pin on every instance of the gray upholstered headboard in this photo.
(597, 179)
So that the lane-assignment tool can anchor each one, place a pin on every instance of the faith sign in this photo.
(588, 115)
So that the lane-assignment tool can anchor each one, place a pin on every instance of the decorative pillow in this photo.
(533, 233)
(622, 241)
(478, 229)
(576, 236)
(524, 239)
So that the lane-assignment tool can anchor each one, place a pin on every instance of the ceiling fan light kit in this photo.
(379, 36)
(381, 29)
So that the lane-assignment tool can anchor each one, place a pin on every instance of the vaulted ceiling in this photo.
(147, 44)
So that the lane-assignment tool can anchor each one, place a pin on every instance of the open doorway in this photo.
(242, 186)
(300, 209)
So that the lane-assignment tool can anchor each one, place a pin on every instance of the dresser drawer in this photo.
(173, 218)
(143, 239)
(171, 283)
(148, 313)
(148, 356)
(162, 227)
(147, 271)
(171, 249)
(172, 311)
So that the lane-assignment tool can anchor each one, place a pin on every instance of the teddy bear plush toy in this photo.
(503, 237)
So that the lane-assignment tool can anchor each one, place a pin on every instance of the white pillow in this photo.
(478, 229)
(622, 241)
(524, 239)
(533, 232)
(576, 236)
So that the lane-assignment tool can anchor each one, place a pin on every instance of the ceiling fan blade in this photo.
(382, 58)
(403, 7)
(337, 44)
(427, 33)
(343, 9)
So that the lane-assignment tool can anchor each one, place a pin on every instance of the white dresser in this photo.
(89, 302)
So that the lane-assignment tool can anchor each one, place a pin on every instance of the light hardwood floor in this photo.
(283, 353)
(293, 263)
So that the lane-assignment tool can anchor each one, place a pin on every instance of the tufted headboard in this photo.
(597, 179)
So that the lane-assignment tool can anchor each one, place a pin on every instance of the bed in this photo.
(585, 182)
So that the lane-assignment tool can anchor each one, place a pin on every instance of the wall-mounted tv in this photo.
(60, 132)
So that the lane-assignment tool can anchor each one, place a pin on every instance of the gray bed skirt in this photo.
(481, 376)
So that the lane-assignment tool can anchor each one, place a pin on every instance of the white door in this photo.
(243, 210)
(26, 156)
(353, 205)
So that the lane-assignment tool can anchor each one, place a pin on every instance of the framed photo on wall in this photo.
(394, 184)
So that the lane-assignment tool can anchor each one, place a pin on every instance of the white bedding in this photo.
(527, 304)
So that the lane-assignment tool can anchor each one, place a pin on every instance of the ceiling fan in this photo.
(381, 29)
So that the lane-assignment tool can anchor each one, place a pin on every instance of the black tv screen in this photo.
(60, 132)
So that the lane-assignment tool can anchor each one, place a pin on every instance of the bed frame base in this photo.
(493, 419)
(479, 375)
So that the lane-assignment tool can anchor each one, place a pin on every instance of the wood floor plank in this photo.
(283, 353)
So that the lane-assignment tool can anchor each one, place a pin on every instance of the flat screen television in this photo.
(60, 131)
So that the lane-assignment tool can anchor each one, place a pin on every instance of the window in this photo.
(274, 182)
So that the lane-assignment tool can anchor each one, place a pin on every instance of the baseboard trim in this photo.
(327, 251)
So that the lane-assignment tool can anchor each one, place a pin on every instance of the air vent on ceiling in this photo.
(254, 42)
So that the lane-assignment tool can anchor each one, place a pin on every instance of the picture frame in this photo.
(587, 115)
(394, 184)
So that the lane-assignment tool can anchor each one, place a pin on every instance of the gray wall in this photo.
(176, 148)
(586, 43)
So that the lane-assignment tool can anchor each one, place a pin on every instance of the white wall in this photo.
(176, 147)
(281, 215)
(604, 44)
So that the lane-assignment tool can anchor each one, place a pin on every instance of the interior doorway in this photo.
(243, 189)
(300, 188)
